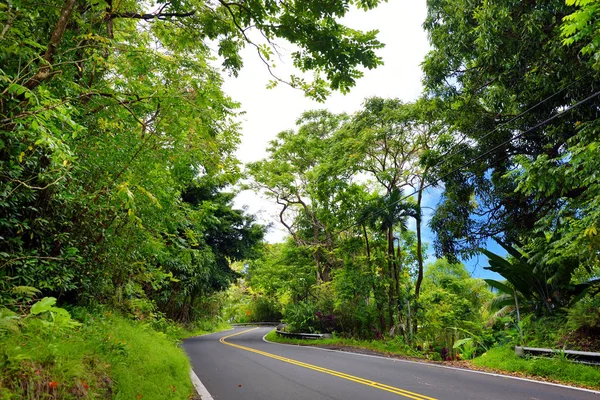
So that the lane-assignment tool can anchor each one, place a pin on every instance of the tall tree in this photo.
(500, 107)
(110, 110)
(307, 189)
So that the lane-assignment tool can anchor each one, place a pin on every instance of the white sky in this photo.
(269, 111)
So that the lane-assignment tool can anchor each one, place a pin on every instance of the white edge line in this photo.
(438, 366)
(198, 385)
(200, 388)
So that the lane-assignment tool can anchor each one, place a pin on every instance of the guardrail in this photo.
(279, 325)
(304, 335)
(584, 357)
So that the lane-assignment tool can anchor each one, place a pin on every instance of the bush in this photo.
(357, 319)
(47, 354)
(263, 309)
(301, 317)
(585, 314)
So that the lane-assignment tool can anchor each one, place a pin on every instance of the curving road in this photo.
(238, 364)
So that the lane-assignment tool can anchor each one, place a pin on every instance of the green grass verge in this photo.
(556, 369)
(389, 346)
(108, 357)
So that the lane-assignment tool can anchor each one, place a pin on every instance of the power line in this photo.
(469, 162)
(447, 154)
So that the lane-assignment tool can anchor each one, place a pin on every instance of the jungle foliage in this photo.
(117, 166)
(118, 174)
(117, 163)
(505, 136)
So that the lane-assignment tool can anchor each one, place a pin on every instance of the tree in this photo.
(308, 188)
(500, 107)
(386, 140)
(583, 25)
(109, 111)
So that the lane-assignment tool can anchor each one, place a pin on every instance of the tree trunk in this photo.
(393, 273)
(377, 303)
(419, 254)
(43, 72)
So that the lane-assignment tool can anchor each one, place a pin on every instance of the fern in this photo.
(25, 292)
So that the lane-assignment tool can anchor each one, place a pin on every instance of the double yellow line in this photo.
(377, 385)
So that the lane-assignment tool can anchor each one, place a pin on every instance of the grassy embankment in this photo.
(104, 356)
(499, 359)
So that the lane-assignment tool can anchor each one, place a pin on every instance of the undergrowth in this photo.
(47, 354)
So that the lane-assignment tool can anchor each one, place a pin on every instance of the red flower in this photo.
(53, 384)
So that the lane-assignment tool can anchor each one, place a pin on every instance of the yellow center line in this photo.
(381, 386)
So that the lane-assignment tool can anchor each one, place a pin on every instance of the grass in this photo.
(108, 357)
(504, 359)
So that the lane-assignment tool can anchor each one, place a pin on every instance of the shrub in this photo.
(263, 309)
(301, 317)
(585, 314)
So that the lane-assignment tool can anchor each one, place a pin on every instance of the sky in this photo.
(270, 111)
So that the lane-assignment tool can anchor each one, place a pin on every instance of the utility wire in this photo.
(447, 154)
(469, 162)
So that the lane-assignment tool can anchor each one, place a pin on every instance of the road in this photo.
(239, 364)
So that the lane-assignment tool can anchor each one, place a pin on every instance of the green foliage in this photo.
(451, 298)
(301, 317)
(264, 310)
(466, 347)
(487, 99)
(583, 25)
(311, 174)
(585, 314)
(117, 143)
(547, 288)
(452, 304)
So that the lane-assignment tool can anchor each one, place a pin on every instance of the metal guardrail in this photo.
(279, 326)
(584, 357)
(258, 324)
(303, 335)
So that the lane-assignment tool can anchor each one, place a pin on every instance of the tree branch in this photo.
(148, 17)
(57, 34)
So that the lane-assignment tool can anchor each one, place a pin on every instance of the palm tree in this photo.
(389, 214)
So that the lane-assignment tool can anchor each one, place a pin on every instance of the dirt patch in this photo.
(584, 339)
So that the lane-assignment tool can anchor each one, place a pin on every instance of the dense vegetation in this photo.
(117, 171)
(504, 140)
(117, 176)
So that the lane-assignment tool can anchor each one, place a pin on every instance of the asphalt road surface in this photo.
(238, 364)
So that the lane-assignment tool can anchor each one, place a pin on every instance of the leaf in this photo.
(43, 305)
(499, 285)
(460, 342)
